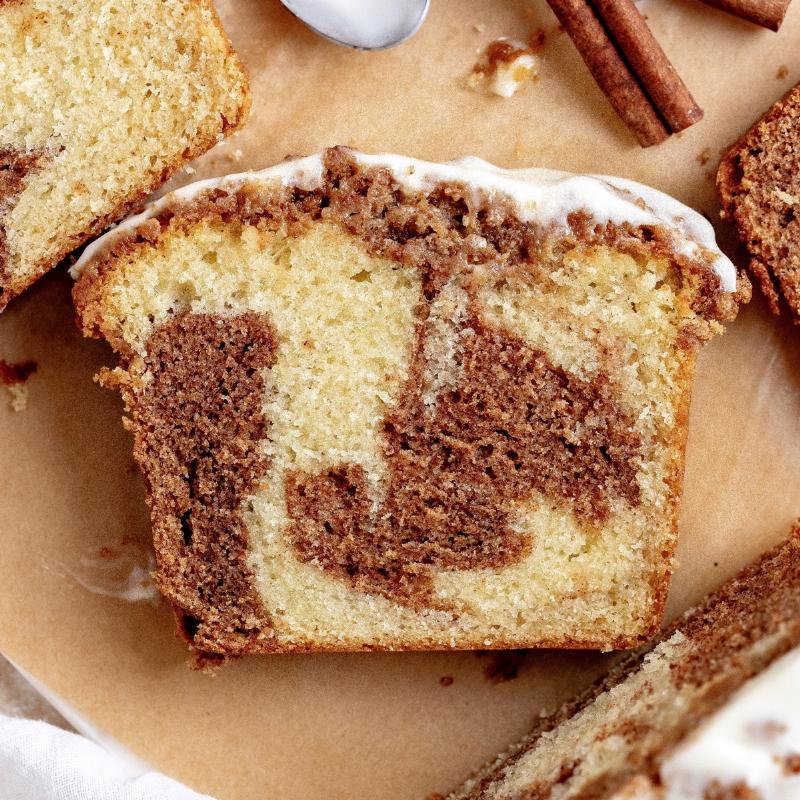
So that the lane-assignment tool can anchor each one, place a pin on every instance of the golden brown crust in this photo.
(660, 580)
(758, 181)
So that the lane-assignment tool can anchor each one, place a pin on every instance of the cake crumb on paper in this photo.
(504, 67)
(14, 376)
(538, 39)
(782, 73)
(704, 157)
(503, 665)
(19, 396)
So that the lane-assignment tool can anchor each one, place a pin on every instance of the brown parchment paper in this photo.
(73, 524)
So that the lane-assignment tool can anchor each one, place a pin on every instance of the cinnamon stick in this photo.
(610, 71)
(649, 63)
(767, 13)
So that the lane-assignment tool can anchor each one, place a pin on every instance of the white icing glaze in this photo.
(509, 77)
(542, 196)
(371, 24)
(746, 741)
(305, 173)
(548, 196)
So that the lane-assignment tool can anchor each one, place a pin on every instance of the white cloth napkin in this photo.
(39, 761)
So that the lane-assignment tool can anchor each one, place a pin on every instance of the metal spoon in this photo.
(364, 24)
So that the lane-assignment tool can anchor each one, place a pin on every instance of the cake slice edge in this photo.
(603, 740)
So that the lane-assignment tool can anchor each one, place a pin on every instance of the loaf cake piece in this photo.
(100, 102)
(380, 403)
(759, 185)
(687, 718)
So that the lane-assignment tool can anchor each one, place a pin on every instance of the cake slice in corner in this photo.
(386, 404)
(710, 711)
(100, 102)
(759, 186)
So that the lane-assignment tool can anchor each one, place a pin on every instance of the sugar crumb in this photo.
(13, 376)
(479, 27)
(504, 67)
(19, 396)
(785, 197)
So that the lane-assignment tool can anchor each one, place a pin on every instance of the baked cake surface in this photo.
(380, 403)
(684, 718)
(759, 185)
(100, 102)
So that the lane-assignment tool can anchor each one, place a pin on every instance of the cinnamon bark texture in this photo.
(658, 77)
(767, 13)
(610, 71)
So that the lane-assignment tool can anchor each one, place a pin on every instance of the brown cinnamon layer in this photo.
(512, 424)
(759, 185)
(738, 791)
(199, 424)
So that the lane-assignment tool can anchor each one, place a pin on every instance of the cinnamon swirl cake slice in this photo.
(100, 102)
(386, 404)
(710, 711)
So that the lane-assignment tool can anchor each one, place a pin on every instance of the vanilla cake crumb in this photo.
(100, 103)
